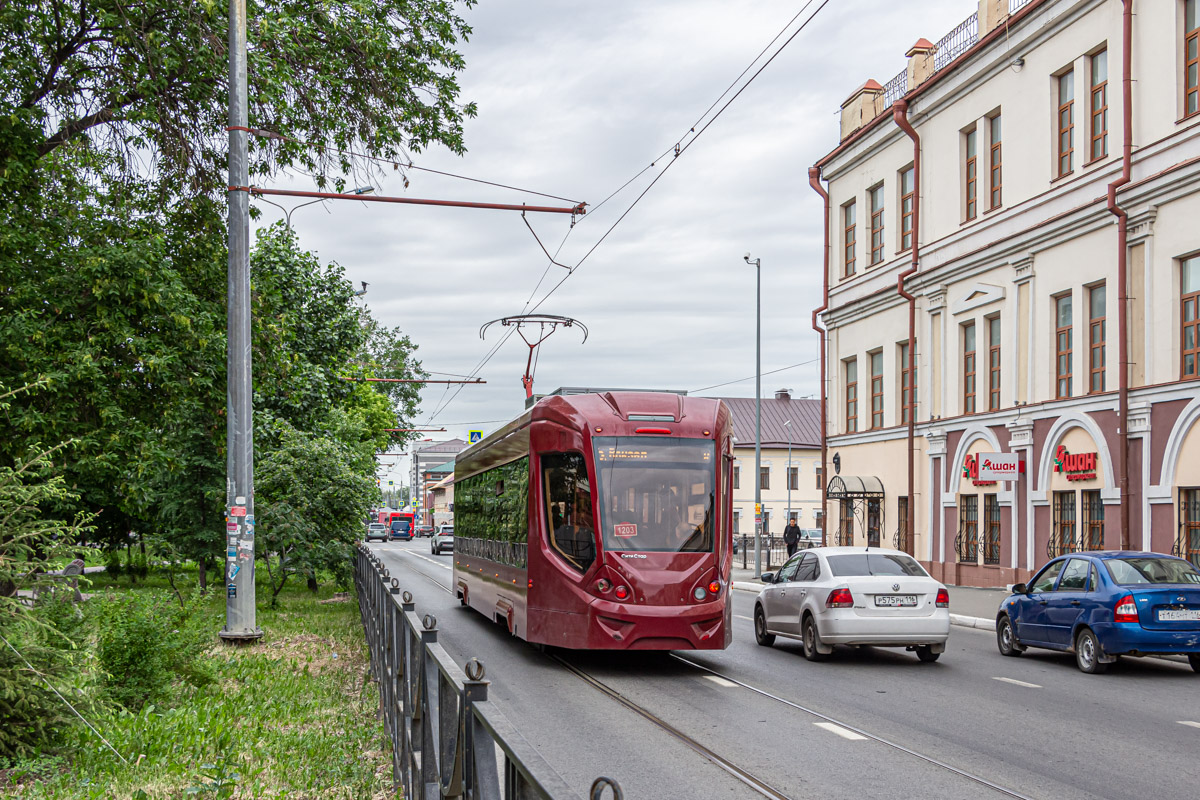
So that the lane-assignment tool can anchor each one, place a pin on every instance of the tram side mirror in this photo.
(767, 577)
(1020, 588)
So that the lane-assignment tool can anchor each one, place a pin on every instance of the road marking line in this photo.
(719, 681)
(1016, 682)
(845, 733)
(748, 619)
(1189, 722)
(425, 558)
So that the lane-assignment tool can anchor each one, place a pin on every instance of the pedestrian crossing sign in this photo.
(474, 436)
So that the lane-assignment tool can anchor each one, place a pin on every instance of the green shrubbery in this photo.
(146, 641)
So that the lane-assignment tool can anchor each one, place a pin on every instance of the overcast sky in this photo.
(574, 100)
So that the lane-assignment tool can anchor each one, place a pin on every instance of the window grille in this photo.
(1093, 522)
(966, 543)
(991, 534)
(846, 524)
(1063, 536)
(1187, 545)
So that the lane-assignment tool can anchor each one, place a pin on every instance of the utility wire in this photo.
(679, 148)
(752, 377)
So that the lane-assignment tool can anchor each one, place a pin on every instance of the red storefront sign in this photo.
(971, 470)
(1076, 466)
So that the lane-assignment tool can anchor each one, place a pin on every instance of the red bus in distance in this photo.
(601, 521)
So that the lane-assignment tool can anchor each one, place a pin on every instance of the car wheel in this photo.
(812, 640)
(760, 628)
(1006, 638)
(1087, 653)
(926, 655)
(1194, 660)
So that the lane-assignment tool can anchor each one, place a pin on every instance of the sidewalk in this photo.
(970, 607)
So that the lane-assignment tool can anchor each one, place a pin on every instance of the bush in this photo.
(146, 641)
(112, 564)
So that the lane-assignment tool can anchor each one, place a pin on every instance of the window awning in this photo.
(852, 486)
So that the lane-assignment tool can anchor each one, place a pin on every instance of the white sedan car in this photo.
(853, 596)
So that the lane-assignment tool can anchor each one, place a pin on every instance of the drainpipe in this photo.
(814, 180)
(1122, 279)
(900, 115)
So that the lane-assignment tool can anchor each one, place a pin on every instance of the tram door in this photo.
(873, 523)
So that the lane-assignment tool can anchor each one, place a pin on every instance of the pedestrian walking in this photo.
(791, 537)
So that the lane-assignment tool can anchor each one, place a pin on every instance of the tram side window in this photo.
(569, 508)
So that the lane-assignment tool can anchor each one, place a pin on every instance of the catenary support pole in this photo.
(240, 623)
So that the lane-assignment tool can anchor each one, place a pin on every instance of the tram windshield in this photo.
(656, 495)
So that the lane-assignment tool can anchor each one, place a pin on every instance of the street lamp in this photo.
(787, 473)
(757, 411)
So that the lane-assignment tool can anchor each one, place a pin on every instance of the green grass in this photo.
(293, 716)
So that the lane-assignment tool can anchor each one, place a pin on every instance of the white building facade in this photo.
(990, 174)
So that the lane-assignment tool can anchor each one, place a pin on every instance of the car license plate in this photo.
(892, 600)
(1178, 614)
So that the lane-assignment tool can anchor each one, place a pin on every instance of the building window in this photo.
(991, 529)
(764, 478)
(820, 478)
(1093, 521)
(849, 237)
(1190, 316)
(1062, 537)
(1096, 336)
(1191, 44)
(737, 477)
(851, 395)
(737, 521)
(966, 544)
(846, 523)
(876, 389)
(901, 542)
(995, 179)
(994, 364)
(876, 224)
(907, 385)
(907, 198)
(1066, 122)
(971, 175)
(1188, 544)
(1099, 108)
(1062, 347)
(968, 381)
(793, 478)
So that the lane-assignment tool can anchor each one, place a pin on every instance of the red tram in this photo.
(601, 521)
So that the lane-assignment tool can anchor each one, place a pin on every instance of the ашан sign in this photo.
(1076, 466)
(1000, 466)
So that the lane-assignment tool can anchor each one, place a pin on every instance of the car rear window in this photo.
(874, 564)
(1127, 571)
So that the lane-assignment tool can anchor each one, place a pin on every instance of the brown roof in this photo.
(805, 415)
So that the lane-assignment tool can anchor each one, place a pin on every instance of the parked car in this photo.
(1103, 605)
(827, 596)
(377, 530)
(424, 530)
(442, 540)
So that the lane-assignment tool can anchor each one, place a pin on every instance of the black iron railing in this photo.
(447, 737)
(774, 551)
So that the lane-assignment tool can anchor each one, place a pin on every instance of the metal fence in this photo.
(448, 740)
(774, 551)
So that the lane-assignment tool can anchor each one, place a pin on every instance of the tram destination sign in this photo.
(1000, 466)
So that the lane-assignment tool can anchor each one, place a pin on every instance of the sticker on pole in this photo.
(234, 569)
(625, 530)
(231, 590)
(231, 527)
(237, 511)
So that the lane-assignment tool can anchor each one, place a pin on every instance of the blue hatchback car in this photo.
(1102, 605)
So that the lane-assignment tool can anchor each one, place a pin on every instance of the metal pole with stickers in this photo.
(240, 623)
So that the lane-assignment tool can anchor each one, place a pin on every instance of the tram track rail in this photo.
(759, 785)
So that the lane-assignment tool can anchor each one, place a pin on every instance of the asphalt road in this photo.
(871, 722)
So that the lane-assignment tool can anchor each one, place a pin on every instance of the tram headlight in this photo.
(622, 593)
(714, 587)
(603, 585)
(700, 593)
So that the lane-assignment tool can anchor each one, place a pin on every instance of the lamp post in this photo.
(787, 473)
(757, 411)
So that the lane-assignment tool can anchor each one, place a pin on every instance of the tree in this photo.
(148, 80)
